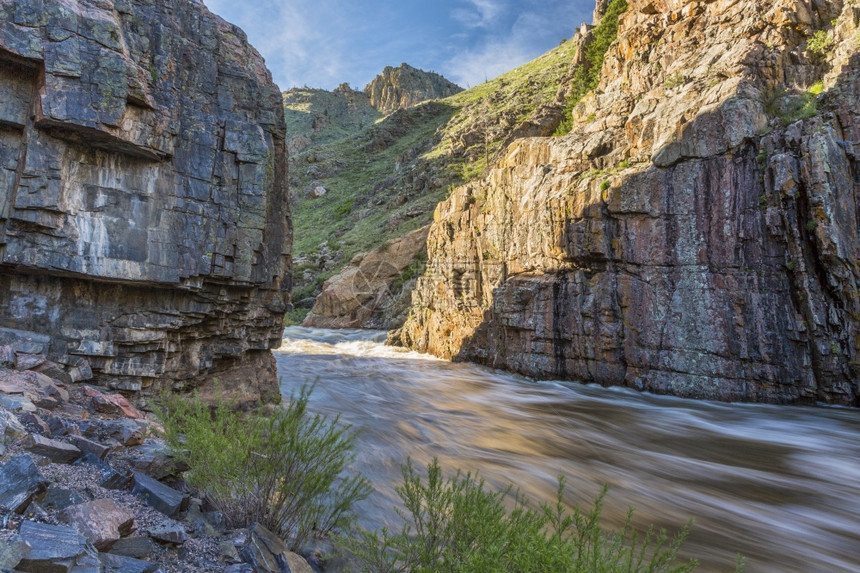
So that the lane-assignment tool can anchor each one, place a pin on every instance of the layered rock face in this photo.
(144, 221)
(695, 234)
(405, 86)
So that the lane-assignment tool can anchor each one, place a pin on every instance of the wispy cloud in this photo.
(296, 38)
(505, 47)
(478, 13)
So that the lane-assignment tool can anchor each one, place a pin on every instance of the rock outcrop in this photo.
(695, 234)
(144, 220)
(405, 86)
(375, 290)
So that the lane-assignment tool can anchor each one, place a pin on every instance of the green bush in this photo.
(296, 316)
(283, 470)
(457, 525)
(819, 44)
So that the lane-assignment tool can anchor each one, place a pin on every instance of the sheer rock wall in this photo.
(144, 218)
(692, 235)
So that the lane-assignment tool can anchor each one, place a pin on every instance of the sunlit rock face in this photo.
(144, 222)
(695, 234)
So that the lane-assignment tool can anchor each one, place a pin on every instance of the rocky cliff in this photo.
(405, 86)
(697, 231)
(144, 220)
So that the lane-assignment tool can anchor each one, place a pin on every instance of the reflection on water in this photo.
(781, 485)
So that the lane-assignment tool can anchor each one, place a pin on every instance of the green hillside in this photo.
(385, 178)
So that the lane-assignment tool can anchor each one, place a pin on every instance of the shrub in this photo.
(296, 316)
(793, 105)
(458, 525)
(819, 44)
(283, 470)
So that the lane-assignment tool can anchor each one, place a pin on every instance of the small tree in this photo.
(284, 470)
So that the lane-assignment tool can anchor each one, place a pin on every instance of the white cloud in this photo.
(499, 53)
(298, 38)
(503, 48)
(479, 13)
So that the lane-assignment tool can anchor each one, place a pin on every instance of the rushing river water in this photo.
(780, 485)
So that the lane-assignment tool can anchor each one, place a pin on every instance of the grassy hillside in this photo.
(384, 179)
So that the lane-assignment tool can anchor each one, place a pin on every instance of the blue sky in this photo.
(323, 43)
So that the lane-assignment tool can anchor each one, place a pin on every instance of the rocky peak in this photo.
(144, 216)
(405, 86)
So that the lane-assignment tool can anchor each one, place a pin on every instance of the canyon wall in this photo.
(144, 219)
(698, 231)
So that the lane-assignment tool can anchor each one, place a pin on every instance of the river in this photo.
(780, 485)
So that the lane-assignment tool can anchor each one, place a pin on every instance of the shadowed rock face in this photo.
(144, 222)
(690, 236)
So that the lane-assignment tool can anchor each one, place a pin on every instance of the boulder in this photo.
(10, 427)
(162, 497)
(369, 293)
(37, 423)
(115, 404)
(112, 479)
(20, 483)
(171, 533)
(58, 498)
(138, 547)
(101, 521)
(155, 460)
(55, 450)
(56, 548)
(120, 564)
(11, 554)
(90, 447)
(267, 553)
(29, 361)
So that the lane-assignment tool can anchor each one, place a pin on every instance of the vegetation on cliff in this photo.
(586, 75)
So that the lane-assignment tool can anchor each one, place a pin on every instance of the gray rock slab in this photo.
(113, 563)
(267, 553)
(90, 447)
(158, 495)
(55, 450)
(20, 482)
(59, 498)
(138, 547)
(169, 533)
(56, 548)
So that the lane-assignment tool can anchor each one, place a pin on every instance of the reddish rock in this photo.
(115, 404)
(101, 521)
(30, 361)
(35, 421)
